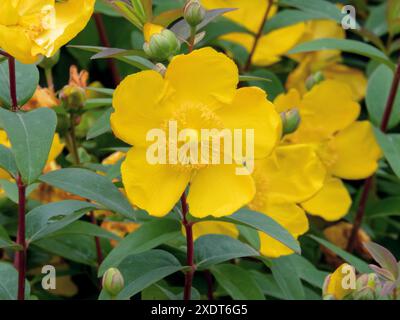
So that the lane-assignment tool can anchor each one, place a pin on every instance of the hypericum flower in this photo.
(328, 62)
(43, 97)
(31, 28)
(249, 14)
(334, 287)
(198, 92)
(291, 175)
(347, 147)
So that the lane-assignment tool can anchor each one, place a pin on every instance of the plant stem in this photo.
(258, 36)
(192, 38)
(210, 285)
(20, 256)
(97, 241)
(101, 29)
(369, 182)
(187, 293)
(49, 78)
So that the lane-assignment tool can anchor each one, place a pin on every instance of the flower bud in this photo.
(162, 46)
(113, 282)
(73, 97)
(366, 287)
(314, 79)
(48, 63)
(194, 13)
(290, 120)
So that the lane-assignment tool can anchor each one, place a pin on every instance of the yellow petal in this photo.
(204, 77)
(218, 191)
(71, 18)
(15, 41)
(357, 150)
(335, 284)
(150, 29)
(328, 108)
(211, 227)
(251, 110)
(138, 106)
(289, 216)
(354, 78)
(154, 188)
(249, 13)
(56, 148)
(287, 101)
(331, 203)
(293, 173)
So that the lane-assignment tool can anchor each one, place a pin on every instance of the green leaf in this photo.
(307, 271)
(48, 218)
(208, 254)
(245, 78)
(345, 45)
(133, 60)
(357, 263)
(5, 241)
(75, 247)
(90, 185)
(9, 282)
(262, 223)
(11, 189)
(148, 236)
(143, 269)
(390, 144)
(101, 126)
(273, 88)
(27, 79)
(322, 8)
(379, 85)
(105, 91)
(287, 278)
(237, 282)
(97, 103)
(31, 135)
(7, 160)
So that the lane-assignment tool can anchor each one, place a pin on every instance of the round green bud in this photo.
(194, 13)
(113, 282)
(73, 97)
(48, 63)
(314, 79)
(290, 121)
(162, 46)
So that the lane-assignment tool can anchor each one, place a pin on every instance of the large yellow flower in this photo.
(291, 175)
(198, 92)
(249, 14)
(326, 61)
(30, 28)
(346, 146)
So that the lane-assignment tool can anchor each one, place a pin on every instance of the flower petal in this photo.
(154, 188)
(218, 191)
(289, 216)
(331, 203)
(15, 41)
(203, 76)
(215, 227)
(251, 110)
(138, 106)
(287, 101)
(357, 150)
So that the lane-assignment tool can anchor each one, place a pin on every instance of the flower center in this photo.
(37, 23)
(259, 201)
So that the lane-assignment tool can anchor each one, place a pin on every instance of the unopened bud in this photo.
(160, 68)
(113, 282)
(314, 79)
(162, 46)
(194, 13)
(366, 287)
(48, 63)
(290, 121)
(73, 97)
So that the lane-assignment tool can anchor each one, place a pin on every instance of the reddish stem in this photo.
(187, 293)
(13, 84)
(20, 257)
(210, 285)
(258, 36)
(97, 240)
(369, 182)
(101, 29)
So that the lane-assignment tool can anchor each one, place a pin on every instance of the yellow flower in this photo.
(30, 28)
(326, 61)
(347, 147)
(291, 175)
(198, 92)
(43, 97)
(249, 14)
(333, 286)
